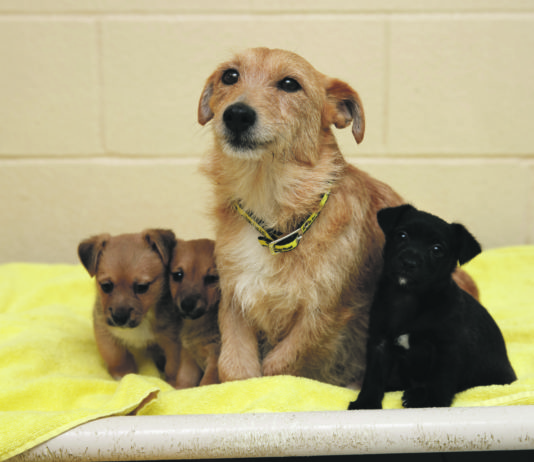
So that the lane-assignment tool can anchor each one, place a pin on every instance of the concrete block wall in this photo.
(98, 102)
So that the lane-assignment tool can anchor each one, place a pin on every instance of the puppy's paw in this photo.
(365, 404)
(415, 397)
(183, 383)
(127, 366)
(426, 397)
(119, 373)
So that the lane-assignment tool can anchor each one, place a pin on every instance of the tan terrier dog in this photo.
(194, 284)
(299, 249)
(133, 308)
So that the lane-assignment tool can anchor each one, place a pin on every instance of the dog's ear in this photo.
(389, 217)
(89, 251)
(205, 114)
(162, 241)
(345, 107)
(467, 246)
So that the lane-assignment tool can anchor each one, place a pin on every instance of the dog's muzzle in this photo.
(120, 317)
(239, 119)
(192, 307)
(407, 267)
(409, 263)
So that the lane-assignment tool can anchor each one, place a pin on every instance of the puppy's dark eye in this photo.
(141, 288)
(437, 251)
(401, 236)
(177, 276)
(107, 287)
(211, 279)
(230, 77)
(289, 85)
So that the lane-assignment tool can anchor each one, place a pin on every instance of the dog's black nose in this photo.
(193, 307)
(239, 117)
(189, 304)
(120, 316)
(409, 263)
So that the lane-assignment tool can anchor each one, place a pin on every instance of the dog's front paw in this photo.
(276, 364)
(362, 403)
(421, 396)
(128, 366)
(237, 373)
(415, 397)
(232, 368)
(273, 368)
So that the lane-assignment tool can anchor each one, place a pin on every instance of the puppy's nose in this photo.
(239, 117)
(120, 316)
(409, 263)
(189, 304)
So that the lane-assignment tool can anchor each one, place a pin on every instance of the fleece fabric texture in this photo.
(52, 377)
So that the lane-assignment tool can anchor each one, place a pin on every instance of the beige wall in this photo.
(98, 105)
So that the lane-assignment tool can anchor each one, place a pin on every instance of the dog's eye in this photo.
(141, 288)
(107, 287)
(211, 279)
(230, 77)
(289, 85)
(437, 251)
(401, 236)
(177, 276)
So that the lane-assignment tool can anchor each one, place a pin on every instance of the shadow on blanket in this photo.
(52, 377)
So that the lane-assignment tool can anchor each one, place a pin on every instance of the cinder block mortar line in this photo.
(225, 14)
(386, 160)
(101, 92)
(387, 81)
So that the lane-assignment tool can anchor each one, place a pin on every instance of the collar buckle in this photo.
(275, 247)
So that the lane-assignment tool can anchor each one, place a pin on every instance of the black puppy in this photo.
(426, 335)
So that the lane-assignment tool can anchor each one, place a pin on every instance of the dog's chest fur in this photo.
(139, 337)
(266, 280)
(272, 289)
(399, 311)
(406, 316)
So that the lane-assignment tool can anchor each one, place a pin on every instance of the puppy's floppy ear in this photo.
(467, 246)
(389, 217)
(345, 107)
(205, 114)
(162, 241)
(89, 251)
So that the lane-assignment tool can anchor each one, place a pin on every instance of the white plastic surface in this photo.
(292, 434)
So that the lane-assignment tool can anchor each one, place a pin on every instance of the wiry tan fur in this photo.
(304, 312)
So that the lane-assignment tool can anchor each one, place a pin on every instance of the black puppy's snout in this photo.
(120, 316)
(410, 260)
(409, 263)
(239, 117)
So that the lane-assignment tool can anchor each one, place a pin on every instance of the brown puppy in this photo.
(303, 312)
(195, 292)
(133, 308)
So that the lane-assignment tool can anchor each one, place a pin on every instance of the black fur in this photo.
(453, 342)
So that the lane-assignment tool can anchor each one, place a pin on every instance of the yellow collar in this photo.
(289, 241)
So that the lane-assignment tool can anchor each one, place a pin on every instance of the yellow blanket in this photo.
(52, 378)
